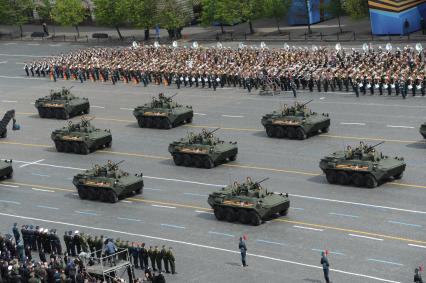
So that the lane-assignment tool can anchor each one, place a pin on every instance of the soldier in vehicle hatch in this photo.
(349, 152)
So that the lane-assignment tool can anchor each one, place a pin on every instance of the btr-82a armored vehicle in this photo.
(362, 166)
(163, 113)
(202, 150)
(81, 138)
(296, 122)
(248, 203)
(107, 183)
(9, 115)
(423, 130)
(62, 105)
(6, 169)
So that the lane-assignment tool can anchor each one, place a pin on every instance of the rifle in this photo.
(301, 106)
(170, 98)
(85, 121)
(373, 146)
(258, 182)
(115, 165)
(211, 132)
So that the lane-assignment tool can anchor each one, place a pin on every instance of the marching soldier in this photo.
(152, 257)
(171, 260)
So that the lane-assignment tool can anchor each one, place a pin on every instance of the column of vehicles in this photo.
(249, 203)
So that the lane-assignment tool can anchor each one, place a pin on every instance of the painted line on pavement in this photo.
(405, 224)
(233, 116)
(270, 242)
(221, 234)
(3, 62)
(42, 190)
(10, 43)
(417, 246)
(184, 181)
(127, 201)
(352, 123)
(96, 106)
(271, 169)
(365, 237)
(33, 44)
(198, 246)
(31, 163)
(200, 114)
(205, 212)
(129, 219)
(344, 215)
(405, 127)
(20, 63)
(129, 109)
(9, 101)
(17, 77)
(48, 207)
(172, 226)
(308, 228)
(321, 98)
(369, 139)
(24, 55)
(163, 206)
(9, 186)
(86, 212)
(54, 45)
(335, 253)
(195, 195)
(151, 189)
(41, 175)
(384, 261)
(297, 208)
(10, 201)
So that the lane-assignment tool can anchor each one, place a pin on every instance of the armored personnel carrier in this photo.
(62, 105)
(248, 203)
(202, 150)
(107, 183)
(6, 170)
(163, 113)
(423, 130)
(362, 166)
(10, 115)
(81, 138)
(296, 122)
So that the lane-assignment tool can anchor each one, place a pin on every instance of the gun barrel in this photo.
(211, 132)
(169, 98)
(307, 102)
(373, 146)
(258, 182)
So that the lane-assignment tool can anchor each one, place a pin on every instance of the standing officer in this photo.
(243, 249)
(171, 259)
(165, 258)
(152, 257)
(158, 258)
(134, 250)
(143, 257)
(67, 241)
(325, 266)
(16, 232)
(417, 276)
(26, 69)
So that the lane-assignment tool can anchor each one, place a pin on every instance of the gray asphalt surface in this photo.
(373, 235)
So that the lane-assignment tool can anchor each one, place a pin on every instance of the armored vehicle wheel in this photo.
(87, 110)
(157, 123)
(84, 149)
(243, 216)
(138, 191)
(141, 122)
(108, 144)
(331, 177)
(76, 148)
(48, 113)
(300, 134)
(59, 146)
(42, 113)
(343, 178)
(230, 215)
(93, 194)
(358, 180)
(291, 132)
(208, 163)
(370, 181)
(4, 134)
(254, 218)
(112, 196)
(270, 131)
(219, 213)
(325, 130)
(233, 158)
(82, 193)
(67, 147)
(9, 176)
(187, 160)
(59, 114)
(284, 212)
(198, 162)
(103, 196)
(399, 176)
(178, 159)
(189, 120)
(279, 132)
(165, 124)
(148, 122)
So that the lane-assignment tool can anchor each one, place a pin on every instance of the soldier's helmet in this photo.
(249, 181)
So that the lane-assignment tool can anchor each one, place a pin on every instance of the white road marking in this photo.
(19, 63)
(352, 123)
(405, 127)
(48, 207)
(9, 101)
(54, 45)
(384, 261)
(32, 103)
(33, 44)
(195, 195)
(198, 246)
(344, 215)
(336, 253)
(321, 98)
(129, 219)
(308, 228)
(270, 242)
(405, 224)
(233, 116)
(86, 212)
(205, 212)
(96, 106)
(24, 55)
(184, 181)
(42, 190)
(31, 163)
(417, 246)
(127, 201)
(164, 206)
(11, 186)
(19, 77)
(222, 234)
(200, 114)
(172, 226)
(129, 109)
(9, 201)
(10, 43)
(365, 237)
(3, 62)
(151, 189)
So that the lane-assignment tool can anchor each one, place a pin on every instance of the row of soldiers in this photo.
(371, 71)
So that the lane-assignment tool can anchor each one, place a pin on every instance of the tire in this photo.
(165, 124)
(48, 113)
(343, 178)
(284, 212)
(300, 134)
(158, 123)
(112, 196)
(270, 131)
(399, 176)
(233, 157)
(178, 159)
(279, 132)
(9, 176)
(198, 161)
(138, 191)
(103, 196)
(4, 134)
(230, 215)
(76, 148)
(59, 146)
(291, 133)
(208, 163)
(93, 194)
(148, 122)
(370, 181)
(254, 218)
(358, 180)
(188, 121)
(141, 122)
(67, 147)
(41, 113)
(219, 213)
(59, 114)
(187, 160)
(325, 130)
(83, 193)
(243, 216)
(86, 111)
(84, 149)
(331, 177)
(108, 144)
